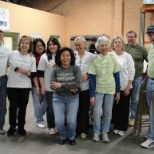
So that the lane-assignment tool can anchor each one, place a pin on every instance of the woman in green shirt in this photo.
(104, 83)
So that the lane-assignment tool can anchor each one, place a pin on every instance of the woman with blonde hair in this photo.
(83, 60)
(22, 69)
(127, 72)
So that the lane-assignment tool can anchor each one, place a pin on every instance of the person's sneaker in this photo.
(116, 131)
(105, 138)
(148, 144)
(11, 131)
(61, 141)
(22, 131)
(56, 130)
(83, 135)
(131, 122)
(72, 142)
(41, 125)
(2, 132)
(96, 138)
(122, 133)
(51, 131)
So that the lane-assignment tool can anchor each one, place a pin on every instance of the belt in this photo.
(2, 77)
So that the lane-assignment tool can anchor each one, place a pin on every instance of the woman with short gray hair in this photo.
(104, 83)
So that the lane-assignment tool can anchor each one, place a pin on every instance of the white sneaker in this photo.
(105, 138)
(122, 133)
(56, 130)
(41, 125)
(116, 131)
(148, 144)
(96, 138)
(51, 131)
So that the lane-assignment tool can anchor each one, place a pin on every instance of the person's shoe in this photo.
(56, 130)
(2, 132)
(122, 133)
(116, 131)
(83, 135)
(72, 142)
(148, 144)
(105, 138)
(11, 131)
(61, 141)
(51, 131)
(41, 125)
(96, 138)
(131, 122)
(22, 131)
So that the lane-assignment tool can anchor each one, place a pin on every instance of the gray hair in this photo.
(100, 39)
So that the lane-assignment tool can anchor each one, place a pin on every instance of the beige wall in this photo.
(82, 17)
(26, 21)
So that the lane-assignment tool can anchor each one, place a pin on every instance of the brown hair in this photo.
(131, 31)
(23, 38)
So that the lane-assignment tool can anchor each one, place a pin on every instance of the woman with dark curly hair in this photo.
(65, 81)
(39, 103)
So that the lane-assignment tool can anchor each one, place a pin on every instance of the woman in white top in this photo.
(46, 64)
(127, 71)
(22, 69)
(83, 60)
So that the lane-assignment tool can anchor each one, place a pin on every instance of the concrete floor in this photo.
(38, 141)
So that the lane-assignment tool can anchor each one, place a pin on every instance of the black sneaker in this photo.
(22, 131)
(11, 131)
(72, 142)
(62, 141)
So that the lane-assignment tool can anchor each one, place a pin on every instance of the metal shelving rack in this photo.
(143, 11)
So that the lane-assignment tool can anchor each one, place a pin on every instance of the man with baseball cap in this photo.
(149, 143)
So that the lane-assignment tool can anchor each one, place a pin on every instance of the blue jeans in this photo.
(39, 104)
(66, 106)
(102, 109)
(150, 101)
(135, 96)
(3, 93)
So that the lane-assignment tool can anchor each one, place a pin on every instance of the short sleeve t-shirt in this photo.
(18, 80)
(104, 67)
(46, 66)
(4, 56)
(151, 61)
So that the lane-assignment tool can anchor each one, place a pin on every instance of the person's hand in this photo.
(55, 85)
(85, 77)
(21, 70)
(37, 90)
(117, 98)
(92, 101)
(127, 90)
(43, 90)
(74, 90)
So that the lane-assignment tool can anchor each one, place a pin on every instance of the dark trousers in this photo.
(18, 98)
(50, 113)
(83, 112)
(120, 114)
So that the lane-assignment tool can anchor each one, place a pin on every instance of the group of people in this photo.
(64, 83)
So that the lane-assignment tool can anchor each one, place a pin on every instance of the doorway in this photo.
(11, 40)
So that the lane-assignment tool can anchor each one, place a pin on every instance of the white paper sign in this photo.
(148, 1)
(4, 19)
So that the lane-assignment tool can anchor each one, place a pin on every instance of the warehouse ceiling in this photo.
(44, 5)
